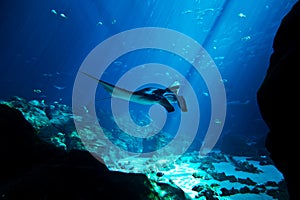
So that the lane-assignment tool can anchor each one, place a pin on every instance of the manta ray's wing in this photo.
(174, 87)
(167, 105)
(182, 103)
(152, 95)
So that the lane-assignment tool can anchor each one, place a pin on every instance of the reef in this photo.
(42, 157)
(211, 179)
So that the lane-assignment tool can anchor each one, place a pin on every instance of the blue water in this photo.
(43, 44)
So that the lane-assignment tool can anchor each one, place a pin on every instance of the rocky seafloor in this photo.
(56, 164)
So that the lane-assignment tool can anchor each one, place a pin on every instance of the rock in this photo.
(34, 169)
(60, 117)
(159, 174)
(198, 188)
(33, 111)
(170, 191)
(197, 175)
(209, 194)
(278, 100)
(219, 176)
(244, 190)
(53, 123)
(20, 147)
(247, 181)
(244, 166)
(256, 190)
(226, 192)
(232, 178)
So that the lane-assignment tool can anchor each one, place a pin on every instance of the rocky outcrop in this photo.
(32, 168)
(278, 100)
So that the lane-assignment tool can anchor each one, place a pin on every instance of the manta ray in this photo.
(147, 96)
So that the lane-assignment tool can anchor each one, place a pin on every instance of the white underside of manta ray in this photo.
(147, 96)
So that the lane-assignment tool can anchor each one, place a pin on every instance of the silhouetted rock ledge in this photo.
(32, 168)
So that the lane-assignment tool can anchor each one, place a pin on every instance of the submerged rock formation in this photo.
(278, 100)
(32, 168)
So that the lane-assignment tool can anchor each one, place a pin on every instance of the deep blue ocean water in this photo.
(43, 44)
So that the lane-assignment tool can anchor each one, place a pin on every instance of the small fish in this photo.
(47, 75)
(59, 87)
(187, 11)
(54, 11)
(246, 38)
(118, 62)
(38, 91)
(242, 15)
(217, 121)
(205, 94)
(63, 15)
(99, 23)
(238, 102)
(85, 109)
